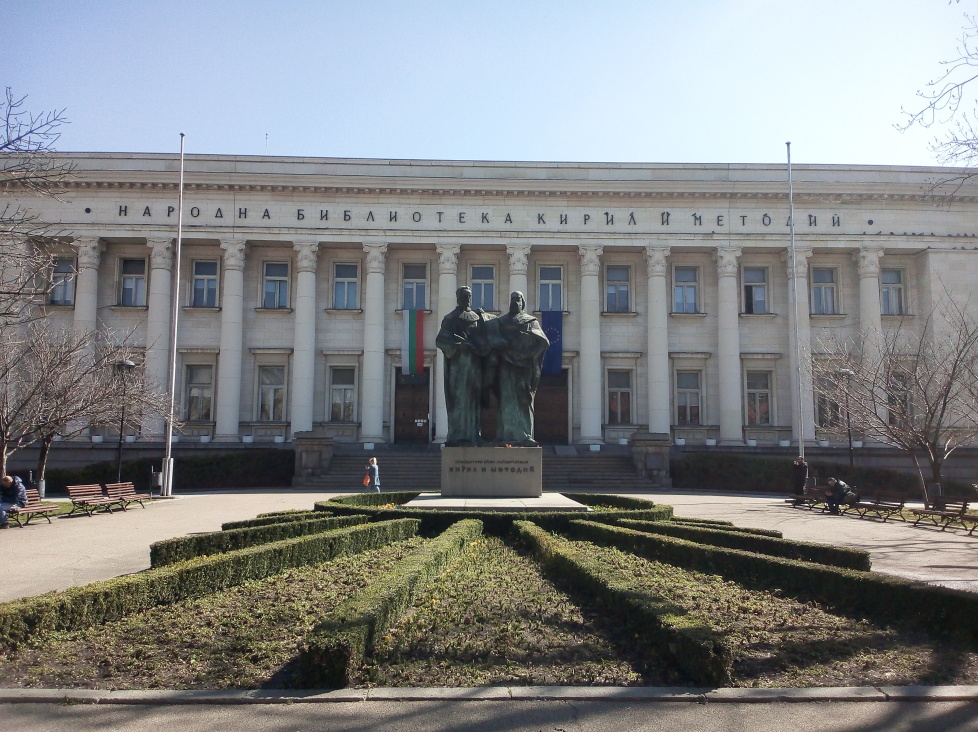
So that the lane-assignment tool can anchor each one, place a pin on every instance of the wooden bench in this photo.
(125, 493)
(882, 505)
(89, 498)
(941, 512)
(969, 518)
(33, 508)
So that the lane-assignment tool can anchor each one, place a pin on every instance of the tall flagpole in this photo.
(799, 417)
(167, 489)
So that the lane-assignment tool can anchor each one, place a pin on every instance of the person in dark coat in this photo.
(12, 493)
(799, 476)
(836, 493)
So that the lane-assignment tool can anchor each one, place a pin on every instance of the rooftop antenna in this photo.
(266, 143)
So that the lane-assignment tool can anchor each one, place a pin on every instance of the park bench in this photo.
(941, 512)
(89, 498)
(125, 493)
(33, 508)
(882, 505)
(969, 518)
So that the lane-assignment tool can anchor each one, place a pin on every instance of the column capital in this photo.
(726, 258)
(161, 256)
(376, 256)
(308, 250)
(89, 252)
(802, 255)
(234, 253)
(447, 257)
(590, 258)
(656, 260)
(518, 258)
(868, 261)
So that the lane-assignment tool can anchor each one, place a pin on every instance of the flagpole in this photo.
(167, 489)
(799, 417)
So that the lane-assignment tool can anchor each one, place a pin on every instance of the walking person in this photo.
(12, 494)
(373, 475)
(799, 476)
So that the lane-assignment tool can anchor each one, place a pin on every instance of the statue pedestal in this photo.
(492, 472)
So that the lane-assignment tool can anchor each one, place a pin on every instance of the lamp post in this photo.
(848, 374)
(122, 371)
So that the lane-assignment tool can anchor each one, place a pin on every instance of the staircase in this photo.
(402, 470)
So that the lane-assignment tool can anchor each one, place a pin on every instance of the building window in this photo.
(828, 413)
(619, 397)
(204, 285)
(892, 298)
(133, 283)
(758, 397)
(823, 291)
(617, 278)
(483, 286)
(898, 399)
(755, 291)
(199, 392)
(551, 288)
(62, 282)
(345, 286)
(684, 290)
(275, 285)
(415, 285)
(341, 394)
(687, 397)
(271, 393)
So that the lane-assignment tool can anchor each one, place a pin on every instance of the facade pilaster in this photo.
(86, 284)
(232, 327)
(372, 425)
(728, 346)
(447, 284)
(870, 310)
(519, 255)
(158, 322)
(657, 350)
(304, 347)
(591, 412)
(801, 375)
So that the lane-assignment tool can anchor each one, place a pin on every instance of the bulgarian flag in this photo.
(412, 343)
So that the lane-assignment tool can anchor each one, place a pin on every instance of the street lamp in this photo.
(848, 374)
(122, 371)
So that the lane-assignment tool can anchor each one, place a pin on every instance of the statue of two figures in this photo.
(487, 355)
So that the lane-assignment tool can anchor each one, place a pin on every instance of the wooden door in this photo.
(550, 415)
(411, 401)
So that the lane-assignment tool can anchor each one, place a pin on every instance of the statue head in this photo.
(516, 302)
(463, 296)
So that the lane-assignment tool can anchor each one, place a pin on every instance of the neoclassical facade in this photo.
(670, 285)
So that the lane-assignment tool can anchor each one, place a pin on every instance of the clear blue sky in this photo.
(720, 81)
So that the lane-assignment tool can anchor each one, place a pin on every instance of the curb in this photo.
(613, 694)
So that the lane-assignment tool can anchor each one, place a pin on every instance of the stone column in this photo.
(591, 380)
(304, 348)
(657, 349)
(518, 255)
(232, 326)
(86, 284)
(870, 309)
(372, 421)
(801, 372)
(728, 346)
(447, 284)
(158, 324)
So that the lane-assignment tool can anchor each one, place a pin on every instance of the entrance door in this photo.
(411, 407)
(550, 415)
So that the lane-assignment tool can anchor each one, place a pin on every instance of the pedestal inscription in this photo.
(492, 472)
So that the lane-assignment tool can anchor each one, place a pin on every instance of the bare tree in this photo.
(915, 391)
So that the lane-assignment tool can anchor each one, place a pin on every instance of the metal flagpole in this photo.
(799, 417)
(167, 489)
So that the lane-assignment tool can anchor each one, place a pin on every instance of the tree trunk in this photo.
(920, 474)
(42, 458)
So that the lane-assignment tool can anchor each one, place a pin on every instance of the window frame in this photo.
(900, 288)
(684, 392)
(549, 283)
(285, 280)
(143, 278)
(765, 285)
(189, 385)
(350, 389)
(818, 291)
(685, 287)
(194, 277)
(612, 419)
(64, 281)
(259, 393)
(828, 412)
(414, 281)
(617, 295)
(752, 399)
(347, 282)
(478, 294)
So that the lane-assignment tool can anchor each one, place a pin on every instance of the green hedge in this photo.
(338, 645)
(725, 526)
(802, 550)
(182, 548)
(99, 602)
(497, 523)
(276, 518)
(698, 649)
(887, 599)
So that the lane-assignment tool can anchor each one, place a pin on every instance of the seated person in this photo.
(836, 493)
(12, 493)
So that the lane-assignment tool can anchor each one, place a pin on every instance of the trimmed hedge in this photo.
(337, 646)
(277, 518)
(99, 602)
(496, 523)
(698, 649)
(802, 550)
(182, 548)
(725, 526)
(887, 599)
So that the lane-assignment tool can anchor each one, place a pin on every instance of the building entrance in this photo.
(411, 403)
(550, 419)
